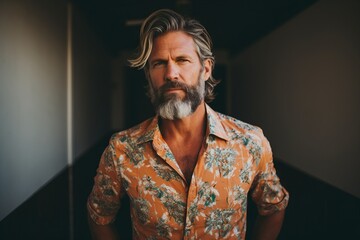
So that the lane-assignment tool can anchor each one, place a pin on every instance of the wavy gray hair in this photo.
(166, 20)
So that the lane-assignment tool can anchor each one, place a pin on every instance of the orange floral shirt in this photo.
(237, 160)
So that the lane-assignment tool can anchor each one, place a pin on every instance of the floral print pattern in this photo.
(236, 163)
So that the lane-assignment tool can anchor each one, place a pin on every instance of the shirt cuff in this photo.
(266, 209)
(98, 219)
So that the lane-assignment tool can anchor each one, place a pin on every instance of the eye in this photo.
(158, 64)
(183, 60)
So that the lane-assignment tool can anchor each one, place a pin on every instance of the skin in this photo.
(102, 232)
(174, 57)
(268, 227)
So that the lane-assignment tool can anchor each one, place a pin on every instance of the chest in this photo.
(219, 187)
(186, 157)
(187, 163)
(224, 166)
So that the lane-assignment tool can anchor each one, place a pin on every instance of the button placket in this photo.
(191, 196)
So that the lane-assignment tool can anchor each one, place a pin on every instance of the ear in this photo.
(207, 69)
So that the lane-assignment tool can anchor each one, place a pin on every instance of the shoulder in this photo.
(236, 127)
(247, 135)
(134, 134)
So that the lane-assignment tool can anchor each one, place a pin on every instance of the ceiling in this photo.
(233, 25)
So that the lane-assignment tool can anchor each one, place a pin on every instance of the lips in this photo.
(173, 89)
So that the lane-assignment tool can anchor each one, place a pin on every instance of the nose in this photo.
(172, 71)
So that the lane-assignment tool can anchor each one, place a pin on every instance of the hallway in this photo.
(291, 68)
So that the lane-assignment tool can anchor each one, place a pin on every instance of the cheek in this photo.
(192, 74)
(155, 78)
(195, 77)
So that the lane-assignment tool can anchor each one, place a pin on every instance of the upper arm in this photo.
(267, 192)
(104, 200)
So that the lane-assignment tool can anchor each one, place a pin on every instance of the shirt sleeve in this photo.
(267, 192)
(104, 200)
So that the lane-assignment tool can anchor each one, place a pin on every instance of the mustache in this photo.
(173, 84)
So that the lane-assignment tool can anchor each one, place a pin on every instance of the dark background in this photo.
(316, 210)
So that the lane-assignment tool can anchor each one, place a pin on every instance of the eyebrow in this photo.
(159, 59)
(156, 60)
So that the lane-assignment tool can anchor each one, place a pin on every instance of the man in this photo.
(187, 171)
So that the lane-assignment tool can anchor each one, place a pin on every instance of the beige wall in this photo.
(301, 85)
(33, 146)
(36, 141)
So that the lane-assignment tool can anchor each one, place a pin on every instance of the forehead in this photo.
(173, 43)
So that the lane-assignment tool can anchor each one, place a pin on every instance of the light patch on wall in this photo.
(32, 98)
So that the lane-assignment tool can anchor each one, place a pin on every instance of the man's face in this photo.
(176, 76)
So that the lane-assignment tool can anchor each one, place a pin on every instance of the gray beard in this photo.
(173, 107)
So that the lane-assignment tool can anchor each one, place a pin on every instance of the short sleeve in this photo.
(267, 192)
(104, 200)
